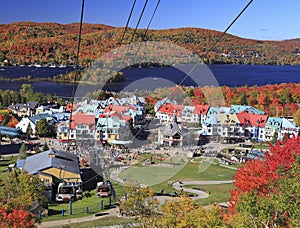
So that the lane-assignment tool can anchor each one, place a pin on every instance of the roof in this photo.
(228, 119)
(201, 109)
(117, 108)
(250, 119)
(242, 108)
(82, 118)
(87, 108)
(20, 163)
(274, 122)
(286, 124)
(212, 120)
(10, 131)
(216, 110)
(18, 106)
(110, 122)
(258, 120)
(160, 103)
(69, 107)
(188, 109)
(36, 118)
(61, 160)
(120, 142)
(171, 109)
(172, 128)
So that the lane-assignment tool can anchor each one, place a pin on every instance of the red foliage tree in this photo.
(257, 175)
(18, 218)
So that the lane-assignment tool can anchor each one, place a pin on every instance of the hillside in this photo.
(52, 43)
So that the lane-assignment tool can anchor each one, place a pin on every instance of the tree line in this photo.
(55, 44)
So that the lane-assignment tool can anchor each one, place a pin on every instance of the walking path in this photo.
(200, 193)
(57, 223)
(114, 175)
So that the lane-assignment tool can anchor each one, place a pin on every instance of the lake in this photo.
(154, 77)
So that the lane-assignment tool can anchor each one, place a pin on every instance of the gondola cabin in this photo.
(65, 192)
(103, 189)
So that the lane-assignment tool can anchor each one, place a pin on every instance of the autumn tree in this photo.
(267, 191)
(183, 212)
(16, 218)
(139, 202)
(22, 190)
(279, 209)
(297, 117)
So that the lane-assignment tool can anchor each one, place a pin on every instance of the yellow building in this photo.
(53, 167)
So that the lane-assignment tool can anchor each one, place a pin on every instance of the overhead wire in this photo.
(216, 42)
(205, 54)
(132, 40)
(77, 69)
(133, 36)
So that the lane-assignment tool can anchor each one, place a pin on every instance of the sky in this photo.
(263, 20)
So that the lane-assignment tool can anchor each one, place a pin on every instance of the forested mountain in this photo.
(55, 44)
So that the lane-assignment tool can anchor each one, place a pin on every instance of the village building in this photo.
(173, 134)
(54, 167)
(23, 110)
(31, 122)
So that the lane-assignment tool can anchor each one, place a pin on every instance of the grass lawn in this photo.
(261, 146)
(150, 175)
(217, 193)
(190, 172)
(78, 207)
(199, 171)
(89, 200)
(107, 221)
(4, 162)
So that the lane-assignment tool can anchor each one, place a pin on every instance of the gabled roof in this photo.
(201, 109)
(171, 109)
(52, 159)
(82, 118)
(119, 116)
(117, 108)
(36, 118)
(161, 103)
(228, 119)
(212, 120)
(110, 122)
(250, 119)
(188, 109)
(242, 108)
(286, 124)
(28, 105)
(216, 110)
(274, 122)
(171, 129)
(71, 107)
(87, 108)
(127, 118)
(258, 120)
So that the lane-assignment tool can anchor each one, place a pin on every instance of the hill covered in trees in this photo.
(55, 44)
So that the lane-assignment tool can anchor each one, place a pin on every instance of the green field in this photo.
(106, 221)
(157, 177)
(150, 175)
(217, 193)
(197, 170)
(89, 200)
(4, 163)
